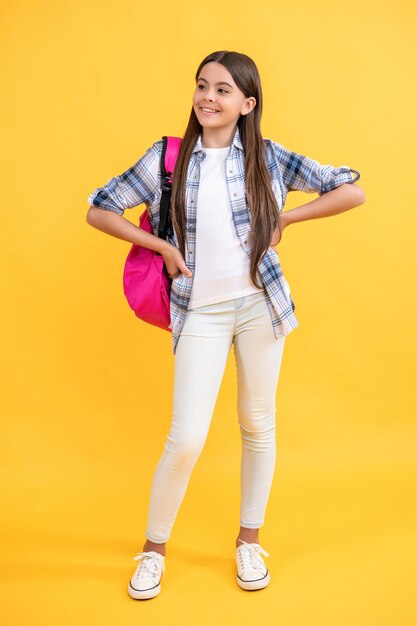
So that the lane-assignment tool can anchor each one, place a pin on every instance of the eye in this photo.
(203, 86)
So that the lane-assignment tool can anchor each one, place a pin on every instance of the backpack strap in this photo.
(170, 149)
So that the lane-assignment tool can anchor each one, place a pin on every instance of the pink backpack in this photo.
(146, 283)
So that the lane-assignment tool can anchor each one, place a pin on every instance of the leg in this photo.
(258, 360)
(200, 361)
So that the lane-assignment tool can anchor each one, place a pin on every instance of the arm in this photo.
(333, 202)
(135, 186)
(118, 226)
(336, 187)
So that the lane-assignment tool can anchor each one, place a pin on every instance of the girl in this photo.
(229, 189)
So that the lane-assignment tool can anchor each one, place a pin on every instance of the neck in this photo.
(217, 137)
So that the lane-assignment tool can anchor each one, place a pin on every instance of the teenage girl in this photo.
(229, 189)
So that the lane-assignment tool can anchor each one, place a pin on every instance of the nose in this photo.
(210, 97)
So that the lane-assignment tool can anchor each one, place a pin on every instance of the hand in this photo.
(174, 262)
(284, 223)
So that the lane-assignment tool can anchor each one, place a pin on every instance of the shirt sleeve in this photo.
(301, 173)
(136, 185)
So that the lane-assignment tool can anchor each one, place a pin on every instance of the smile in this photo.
(208, 111)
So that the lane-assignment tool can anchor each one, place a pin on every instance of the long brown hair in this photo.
(260, 197)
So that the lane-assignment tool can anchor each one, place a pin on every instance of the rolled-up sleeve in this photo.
(136, 185)
(301, 173)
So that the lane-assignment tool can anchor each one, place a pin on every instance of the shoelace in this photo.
(149, 565)
(250, 555)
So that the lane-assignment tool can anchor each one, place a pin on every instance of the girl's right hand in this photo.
(174, 262)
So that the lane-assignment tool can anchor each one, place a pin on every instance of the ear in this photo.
(249, 105)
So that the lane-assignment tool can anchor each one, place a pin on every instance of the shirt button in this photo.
(230, 171)
(191, 200)
(235, 194)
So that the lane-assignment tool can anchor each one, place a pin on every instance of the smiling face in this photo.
(217, 91)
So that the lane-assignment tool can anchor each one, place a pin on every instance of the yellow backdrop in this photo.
(87, 387)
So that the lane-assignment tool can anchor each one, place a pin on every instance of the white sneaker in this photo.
(146, 581)
(252, 571)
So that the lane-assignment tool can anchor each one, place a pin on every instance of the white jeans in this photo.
(201, 356)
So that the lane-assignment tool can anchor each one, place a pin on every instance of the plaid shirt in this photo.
(142, 183)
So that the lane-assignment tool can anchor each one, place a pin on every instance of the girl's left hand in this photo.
(283, 221)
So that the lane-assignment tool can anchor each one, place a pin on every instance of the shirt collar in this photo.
(236, 141)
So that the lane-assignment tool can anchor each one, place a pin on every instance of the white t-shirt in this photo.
(221, 265)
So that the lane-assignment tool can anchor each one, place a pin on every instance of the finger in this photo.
(185, 270)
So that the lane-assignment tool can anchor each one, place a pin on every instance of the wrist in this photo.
(284, 219)
(163, 245)
(276, 236)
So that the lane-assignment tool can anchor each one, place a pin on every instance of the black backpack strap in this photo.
(166, 193)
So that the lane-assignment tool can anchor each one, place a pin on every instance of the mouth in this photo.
(208, 111)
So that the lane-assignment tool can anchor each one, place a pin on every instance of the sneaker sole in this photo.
(252, 585)
(145, 594)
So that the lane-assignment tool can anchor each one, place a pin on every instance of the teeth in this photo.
(209, 110)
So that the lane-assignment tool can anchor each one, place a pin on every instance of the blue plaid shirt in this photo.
(289, 171)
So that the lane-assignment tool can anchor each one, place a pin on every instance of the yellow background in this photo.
(87, 387)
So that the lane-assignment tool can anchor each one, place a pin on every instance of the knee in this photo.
(256, 416)
(183, 451)
(257, 426)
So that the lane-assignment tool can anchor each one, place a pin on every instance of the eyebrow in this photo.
(222, 82)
